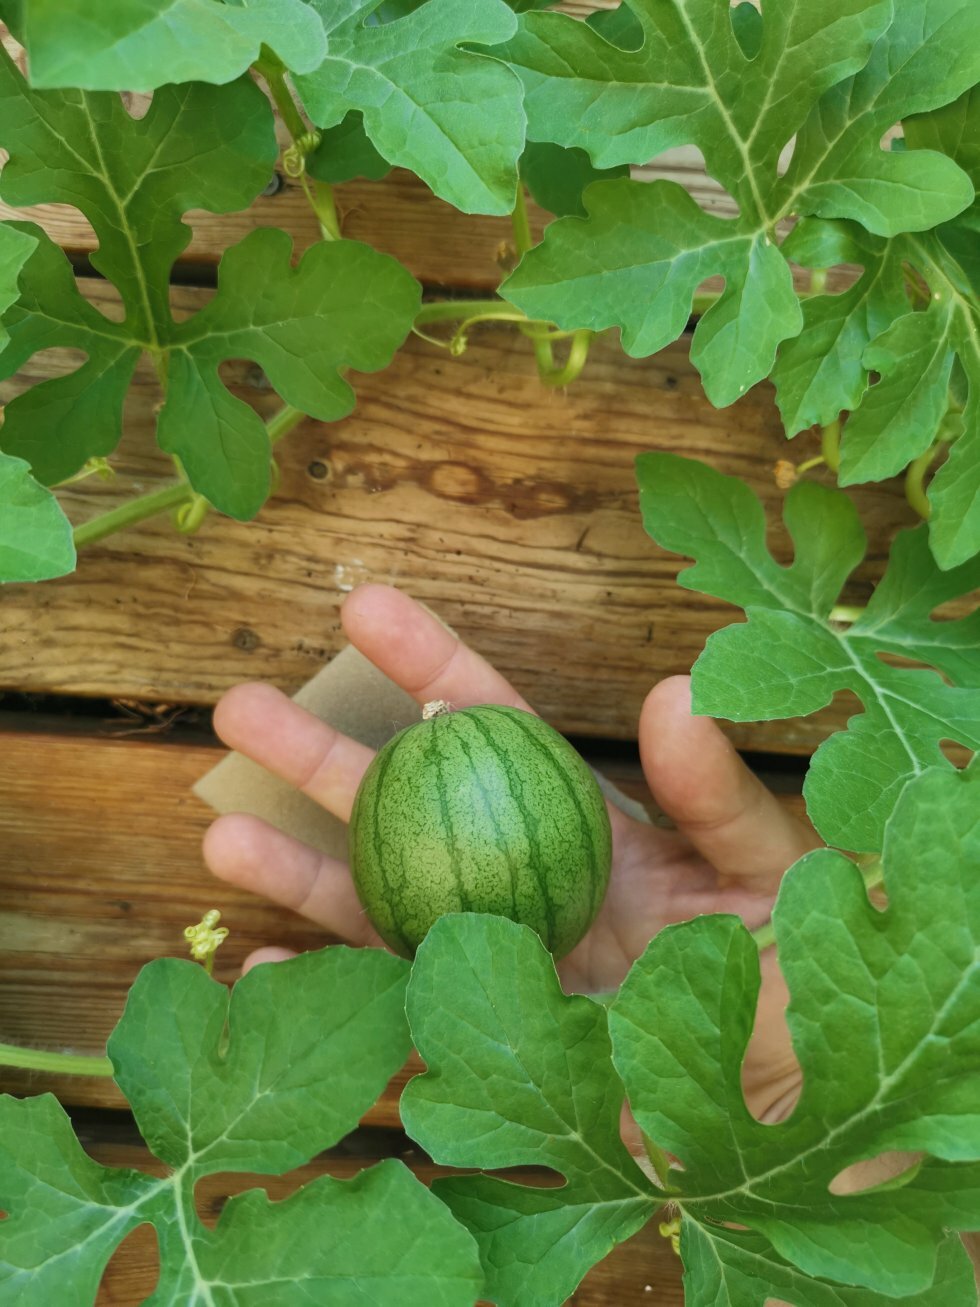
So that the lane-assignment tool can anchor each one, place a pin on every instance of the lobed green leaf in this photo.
(665, 246)
(519, 1075)
(35, 536)
(343, 306)
(198, 146)
(260, 1080)
(790, 657)
(260, 1093)
(450, 114)
(139, 45)
(65, 1214)
(646, 77)
(885, 1022)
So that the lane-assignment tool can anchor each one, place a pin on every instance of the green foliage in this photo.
(35, 536)
(450, 89)
(343, 306)
(665, 246)
(198, 147)
(519, 1075)
(556, 177)
(884, 1019)
(791, 657)
(345, 151)
(735, 1268)
(690, 82)
(138, 45)
(791, 109)
(837, 78)
(883, 1014)
(451, 115)
(928, 361)
(260, 1080)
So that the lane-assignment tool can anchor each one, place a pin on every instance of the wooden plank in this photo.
(398, 215)
(510, 509)
(643, 1271)
(100, 871)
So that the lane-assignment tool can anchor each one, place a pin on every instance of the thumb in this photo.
(702, 784)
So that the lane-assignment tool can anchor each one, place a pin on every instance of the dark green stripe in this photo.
(383, 762)
(571, 788)
(528, 818)
(502, 842)
(434, 754)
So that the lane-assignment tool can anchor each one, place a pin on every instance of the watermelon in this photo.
(484, 809)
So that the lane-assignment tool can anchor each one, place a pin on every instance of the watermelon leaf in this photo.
(557, 177)
(884, 1019)
(736, 1268)
(139, 45)
(451, 115)
(35, 536)
(519, 1074)
(197, 146)
(739, 89)
(791, 656)
(343, 306)
(258, 1081)
(345, 152)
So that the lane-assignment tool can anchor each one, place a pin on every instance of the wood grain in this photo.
(643, 1272)
(510, 509)
(100, 871)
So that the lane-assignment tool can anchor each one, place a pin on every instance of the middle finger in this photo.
(267, 726)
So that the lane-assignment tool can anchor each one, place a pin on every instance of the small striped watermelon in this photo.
(484, 809)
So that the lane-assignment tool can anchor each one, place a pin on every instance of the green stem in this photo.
(543, 353)
(281, 423)
(455, 310)
(137, 510)
(574, 364)
(830, 445)
(523, 240)
(175, 496)
(319, 194)
(274, 73)
(810, 463)
(99, 467)
(70, 1064)
(915, 490)
(320, 198)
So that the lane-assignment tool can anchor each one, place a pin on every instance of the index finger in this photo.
(412, 647)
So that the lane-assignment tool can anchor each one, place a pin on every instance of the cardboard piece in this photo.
(352, 695)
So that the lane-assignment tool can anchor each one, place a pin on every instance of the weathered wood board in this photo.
(510, 509)
(100, 871)
(643, 1272)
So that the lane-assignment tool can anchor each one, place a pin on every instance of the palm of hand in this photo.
(732, 844)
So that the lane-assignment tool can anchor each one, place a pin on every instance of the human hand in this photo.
(732, 843)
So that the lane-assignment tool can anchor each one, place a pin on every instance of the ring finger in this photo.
(250, 853)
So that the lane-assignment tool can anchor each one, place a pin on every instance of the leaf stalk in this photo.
(39, 1059)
